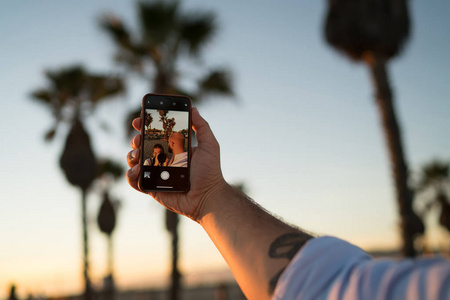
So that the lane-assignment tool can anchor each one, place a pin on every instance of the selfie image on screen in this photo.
(166, 138)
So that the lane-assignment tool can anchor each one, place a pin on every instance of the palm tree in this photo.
(147, 122)
(168, 124)
(73, 93)
(167, 36)
(434, 189)
(374, 31)
(108, 171)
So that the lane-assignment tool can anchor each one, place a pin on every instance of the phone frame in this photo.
(182, 184)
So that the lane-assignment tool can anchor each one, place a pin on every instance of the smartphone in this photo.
(166, 143)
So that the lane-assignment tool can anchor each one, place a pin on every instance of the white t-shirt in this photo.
(329, 268)
(180, 160)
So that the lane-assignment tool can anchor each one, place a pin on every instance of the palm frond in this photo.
(158, 21)
(114, 26)
(109, 167)
(101, 87)
(67, 82)
(196, 31)
(217, 82)
(375, 26)
(67, 77)
(50, 134)
(72, 90)
(129, 52)
(42, 95)
(444, 218)
(433, 173)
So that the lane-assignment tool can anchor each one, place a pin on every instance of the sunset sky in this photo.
(302, 133)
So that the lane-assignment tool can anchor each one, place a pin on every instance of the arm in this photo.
(256, 245)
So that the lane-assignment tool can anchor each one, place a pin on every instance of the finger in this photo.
(136, 141)
(133, 157)
(133, 176)
(137, 124)
(201, 128)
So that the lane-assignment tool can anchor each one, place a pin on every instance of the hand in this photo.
(206, 175)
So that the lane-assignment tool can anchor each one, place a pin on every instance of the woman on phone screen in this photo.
(159, 158)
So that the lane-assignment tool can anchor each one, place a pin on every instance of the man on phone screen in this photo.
(177, 147)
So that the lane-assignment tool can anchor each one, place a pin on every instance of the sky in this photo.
(302, 133)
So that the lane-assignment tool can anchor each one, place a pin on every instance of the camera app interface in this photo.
(166, 146)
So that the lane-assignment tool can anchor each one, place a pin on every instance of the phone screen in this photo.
(165, 143)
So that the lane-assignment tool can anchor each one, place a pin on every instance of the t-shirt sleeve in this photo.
(332, 269)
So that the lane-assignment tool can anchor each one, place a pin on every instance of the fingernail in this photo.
(133, 154)
(135, 140)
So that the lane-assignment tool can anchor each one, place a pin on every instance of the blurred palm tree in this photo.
(108, 172)
(72, 94)
(167, 36)
(374, 31)
(434, 190)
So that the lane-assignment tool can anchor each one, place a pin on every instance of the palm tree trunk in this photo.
(384, 101)
(109, 286)
(88, 292)
(172, 226)
(110, 256)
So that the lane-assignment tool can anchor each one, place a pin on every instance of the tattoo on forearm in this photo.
(285, 246)
(274, 280)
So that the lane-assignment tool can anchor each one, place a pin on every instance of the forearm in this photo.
(256, 245)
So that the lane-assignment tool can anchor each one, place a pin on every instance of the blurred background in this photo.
(299, 129)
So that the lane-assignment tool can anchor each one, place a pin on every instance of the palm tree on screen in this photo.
(72, 94)
(148, 119)
(167, 37)
(373, 32)
(168, 123)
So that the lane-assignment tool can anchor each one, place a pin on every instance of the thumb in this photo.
(201, 128)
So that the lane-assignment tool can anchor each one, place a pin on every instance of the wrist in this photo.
(212, 201)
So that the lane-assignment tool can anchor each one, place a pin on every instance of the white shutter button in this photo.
(165, 175)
